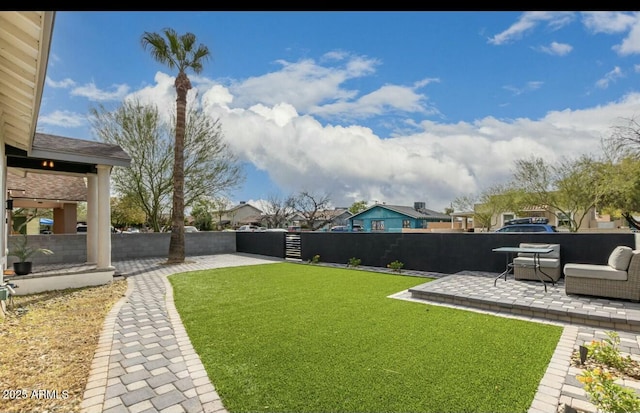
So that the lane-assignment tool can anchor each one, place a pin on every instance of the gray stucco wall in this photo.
(72, 248)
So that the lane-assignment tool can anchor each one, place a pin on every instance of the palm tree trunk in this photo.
(176, 244)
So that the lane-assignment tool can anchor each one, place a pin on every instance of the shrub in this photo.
(396, 266)
(607, 351)
(599, 384)
(353, 262)
(315, 259)
(606, 395)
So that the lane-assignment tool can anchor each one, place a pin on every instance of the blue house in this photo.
(393, 218)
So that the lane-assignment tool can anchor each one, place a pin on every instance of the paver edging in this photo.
(100, 363)
(210, 400)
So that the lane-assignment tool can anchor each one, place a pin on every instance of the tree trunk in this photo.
(176, 244)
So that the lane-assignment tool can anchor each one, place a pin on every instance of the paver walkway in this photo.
(145, 361)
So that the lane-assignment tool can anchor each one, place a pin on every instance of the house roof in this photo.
(463, 214)
(25, 39)
(411, 212)
(35, 189)
(244, 205)
(68, 155)
(332, 213)
(78, 150)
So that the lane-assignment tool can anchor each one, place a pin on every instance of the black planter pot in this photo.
(22, 268)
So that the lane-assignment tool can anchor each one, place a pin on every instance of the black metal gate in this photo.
(292, 246)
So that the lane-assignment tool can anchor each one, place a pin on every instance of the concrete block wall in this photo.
(67, 248)
(72, 248)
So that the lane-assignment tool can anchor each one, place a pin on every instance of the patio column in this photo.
(104, 217)
(92, 218)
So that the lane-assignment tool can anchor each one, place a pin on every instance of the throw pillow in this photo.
(620, 258)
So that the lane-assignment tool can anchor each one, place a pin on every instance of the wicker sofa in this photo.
(619, 278)
(524, 267)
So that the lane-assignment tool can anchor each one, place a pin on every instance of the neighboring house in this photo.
(333, 217)
(296, 220)
(395, 218)
(241, 214)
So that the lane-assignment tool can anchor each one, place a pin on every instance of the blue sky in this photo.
(391, 107)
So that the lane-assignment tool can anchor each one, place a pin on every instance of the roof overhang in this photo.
(465, 214)
(51, 153)
(25, 40)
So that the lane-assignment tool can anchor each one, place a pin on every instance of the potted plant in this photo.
(23, 252)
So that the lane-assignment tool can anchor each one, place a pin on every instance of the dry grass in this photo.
(47, 343)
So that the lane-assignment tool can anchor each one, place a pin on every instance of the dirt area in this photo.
(47, 344)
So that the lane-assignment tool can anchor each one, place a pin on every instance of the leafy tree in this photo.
(358, 207)
(181, 52)
(22, 216)
(624, 142)
(81, 211)
(203, 212)
(309, 205)
(487, 204)
(568, 189)
(622, 165)
(209, 166)
(137, 129)
(220, 206)
(125, 211)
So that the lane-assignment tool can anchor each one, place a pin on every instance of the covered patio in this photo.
(25, 38)
(88, 161)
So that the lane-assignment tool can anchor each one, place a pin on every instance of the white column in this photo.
(104, 217)
(92, 218)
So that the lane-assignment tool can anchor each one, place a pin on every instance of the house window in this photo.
(377, 225)
(406, 223)
(507, 217)
(564, 220)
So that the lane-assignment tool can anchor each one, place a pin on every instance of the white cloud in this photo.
(529, 21)
(385, 99)
(608, 22)
(528, 87)
(557, 49)
(304, 84)
(610, 77)
(631, 44)
(91, 92)
(65, 83)
(63, 118)
(435, 165)
(614, 23)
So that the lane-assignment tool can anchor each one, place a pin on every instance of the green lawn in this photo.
(302, 338)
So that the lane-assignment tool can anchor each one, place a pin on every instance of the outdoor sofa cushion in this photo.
(604, 280)
(605, 272)
(553, 254)
(523, 264)
(620, 258)
(544, 262)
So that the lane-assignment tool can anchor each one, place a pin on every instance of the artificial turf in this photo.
(288, 337)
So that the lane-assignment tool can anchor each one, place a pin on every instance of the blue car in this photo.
(531, 224)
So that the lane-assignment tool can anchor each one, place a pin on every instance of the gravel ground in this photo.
(47, 344)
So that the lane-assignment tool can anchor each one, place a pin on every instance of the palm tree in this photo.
(177, 51)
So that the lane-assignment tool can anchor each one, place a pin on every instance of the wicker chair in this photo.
(605, 280)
